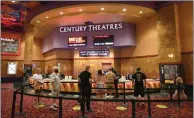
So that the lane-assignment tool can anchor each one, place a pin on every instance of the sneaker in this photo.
(56, 106)
(90, 110)
(36, 106)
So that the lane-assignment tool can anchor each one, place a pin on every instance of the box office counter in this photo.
(72, 85)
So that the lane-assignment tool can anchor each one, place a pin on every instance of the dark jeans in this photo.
(86, 93)
(116, 87)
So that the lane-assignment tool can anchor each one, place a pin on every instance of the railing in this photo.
(133, 101)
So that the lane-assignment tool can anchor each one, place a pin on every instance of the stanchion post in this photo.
(178, 95)
(149, 106)
(60, 107)
(133, 108)
(13, 104)
(124, 92)
(21, 99)
(170, 92)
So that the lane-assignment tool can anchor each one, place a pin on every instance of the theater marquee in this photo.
(93, 27)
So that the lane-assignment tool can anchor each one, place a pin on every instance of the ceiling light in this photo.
(124, 9)
(80, 9)
(12, 1)
(61, 13)
(47, 17)
(140, 12)
(102, 9)
(38, 21)
(76, 48)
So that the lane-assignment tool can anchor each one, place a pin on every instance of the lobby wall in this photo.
(96, 63)
(145, 54)
(185, 10)
(64, 57)
(38, 57)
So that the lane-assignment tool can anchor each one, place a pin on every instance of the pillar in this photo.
(28, 52)
(168, 32)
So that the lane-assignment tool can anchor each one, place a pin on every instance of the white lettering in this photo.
(120, 25)
(61, 29)
(7, 39)
(111, 26)
(98, 27)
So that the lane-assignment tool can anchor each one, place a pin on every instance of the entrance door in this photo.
(106, 66)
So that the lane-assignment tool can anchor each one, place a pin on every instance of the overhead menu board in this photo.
(90, 53)
(10, 46)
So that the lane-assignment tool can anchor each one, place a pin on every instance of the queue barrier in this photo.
(133, 101)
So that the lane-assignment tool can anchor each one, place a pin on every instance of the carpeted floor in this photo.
(105, 110)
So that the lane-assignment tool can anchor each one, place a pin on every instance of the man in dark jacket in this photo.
(85, 81)
(139, 83)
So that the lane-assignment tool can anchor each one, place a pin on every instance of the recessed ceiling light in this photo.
(76, 48)
(61, 13)
(47, 17)
(80, 9)
(102, 9)
(38, 21)
(124, 9)
(12, 1)
(141, 12)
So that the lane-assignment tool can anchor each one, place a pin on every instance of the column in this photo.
(168, 32)
(28, 52)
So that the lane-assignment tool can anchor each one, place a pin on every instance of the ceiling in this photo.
(90, 12)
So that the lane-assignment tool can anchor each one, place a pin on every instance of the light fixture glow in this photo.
(47, 17)
(80, 9)
(61, 13)
(141, 12)
(38, 21)
(76, 48)
(124, 9)
(102, 9)
(12, 1)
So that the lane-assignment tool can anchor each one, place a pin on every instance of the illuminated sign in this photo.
(77, 41)
(90, 53)
(93, 27)
(10, 46)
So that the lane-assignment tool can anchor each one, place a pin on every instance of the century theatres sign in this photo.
(93, 27)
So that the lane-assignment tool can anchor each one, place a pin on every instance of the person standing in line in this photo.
(100, 83)
(179, 81)
(116, 82)
(139, 81)
(110, 77)
(38, 85)
(85, 81)
(55, 79)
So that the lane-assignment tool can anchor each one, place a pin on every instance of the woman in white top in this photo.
(179, 80)
(100, 83)
(55, 79)
(38, 85)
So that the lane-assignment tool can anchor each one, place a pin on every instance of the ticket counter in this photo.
(72, 85)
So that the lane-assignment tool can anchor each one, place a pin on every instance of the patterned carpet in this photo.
(101, 110)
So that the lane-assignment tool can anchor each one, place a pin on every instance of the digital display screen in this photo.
(77, 41)
(104, 40)
(91, 53)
